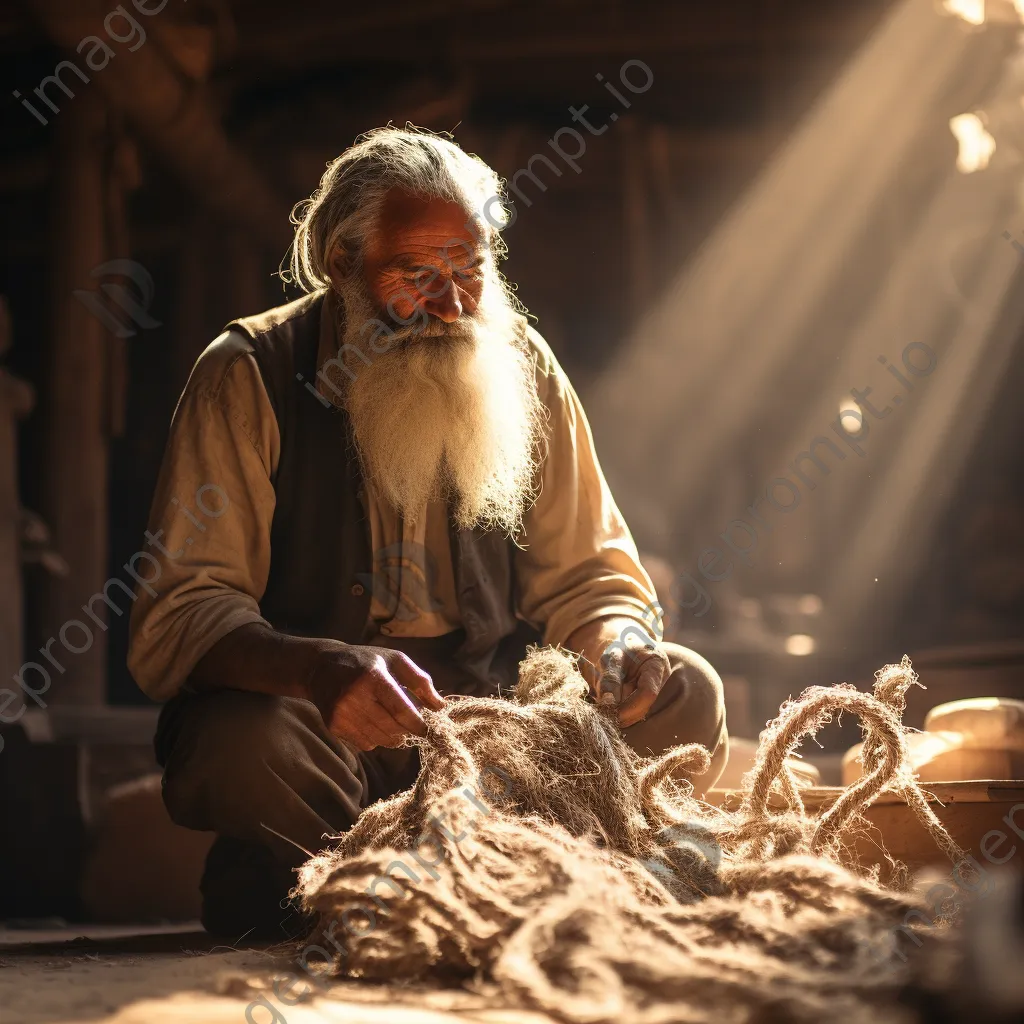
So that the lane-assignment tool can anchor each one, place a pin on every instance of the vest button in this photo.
(357, 590)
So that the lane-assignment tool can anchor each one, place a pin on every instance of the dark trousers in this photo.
(264, 771)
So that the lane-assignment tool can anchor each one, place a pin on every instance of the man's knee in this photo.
(229, 747)
(695, 697)
(689, 709)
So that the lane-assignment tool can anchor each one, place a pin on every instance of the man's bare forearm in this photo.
(257, 658)
(362, 693)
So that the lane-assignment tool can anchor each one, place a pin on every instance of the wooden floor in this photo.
(175, 975)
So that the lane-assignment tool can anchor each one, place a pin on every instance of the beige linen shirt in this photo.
(209, 534)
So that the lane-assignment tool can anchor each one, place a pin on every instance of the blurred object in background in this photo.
(977, 738)
(774, 623)
(957, 673)
(739, 706)
(42, 827)
(36, 545)
(975, 975)
(141, 866)
(17, 399)
(989, 545)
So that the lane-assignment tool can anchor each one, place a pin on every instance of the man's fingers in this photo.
(409, 674)
(608, 690)
(372, 735)
(360, 731)
(392, 700)
(650, 679)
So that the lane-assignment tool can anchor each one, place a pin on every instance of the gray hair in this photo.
(344, 209)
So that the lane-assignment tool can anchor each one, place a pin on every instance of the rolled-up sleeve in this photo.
(579, 562)
(207, 550)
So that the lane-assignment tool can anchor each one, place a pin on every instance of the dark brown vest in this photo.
(320, 557)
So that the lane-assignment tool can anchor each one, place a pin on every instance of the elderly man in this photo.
(395, 490)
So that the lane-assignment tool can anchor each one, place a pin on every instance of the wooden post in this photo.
(76, 459)
(123, 176)
(16, 401)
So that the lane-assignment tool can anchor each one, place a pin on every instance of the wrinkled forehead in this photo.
(411, 225)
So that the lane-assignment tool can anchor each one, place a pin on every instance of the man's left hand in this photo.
(624, 665)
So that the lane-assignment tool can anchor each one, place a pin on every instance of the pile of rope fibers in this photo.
(599, 890)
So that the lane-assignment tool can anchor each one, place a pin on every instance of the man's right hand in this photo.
(359, 691)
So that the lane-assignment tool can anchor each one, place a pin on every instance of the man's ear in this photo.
(342, 265)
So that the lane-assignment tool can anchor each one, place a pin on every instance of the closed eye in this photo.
(421, 276)
(472, 270)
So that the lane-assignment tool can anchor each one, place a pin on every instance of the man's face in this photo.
(448, 408)
(423, 265)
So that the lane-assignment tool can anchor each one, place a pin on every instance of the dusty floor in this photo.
(178, 975)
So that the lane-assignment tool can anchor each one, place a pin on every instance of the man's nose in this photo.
(446, 306)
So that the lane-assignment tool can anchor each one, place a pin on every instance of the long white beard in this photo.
(448, 412)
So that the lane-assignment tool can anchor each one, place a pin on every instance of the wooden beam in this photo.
(76, 464)
(719, 31)
(172, 115)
